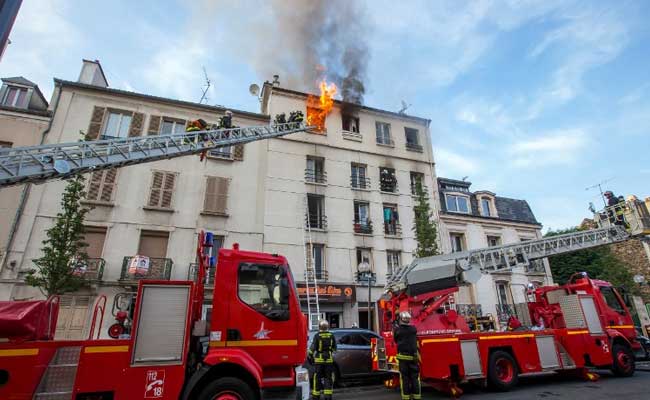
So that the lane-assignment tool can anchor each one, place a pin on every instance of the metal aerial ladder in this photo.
(616, 224)
(37, 164)
(311, 278)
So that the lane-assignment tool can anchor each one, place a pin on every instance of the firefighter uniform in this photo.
(321, 353)
(405, 336)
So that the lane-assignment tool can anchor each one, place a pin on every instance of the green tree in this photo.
(598, 263)
(425, 228)
(64, 247)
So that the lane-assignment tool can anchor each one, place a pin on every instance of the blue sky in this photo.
(529, 99)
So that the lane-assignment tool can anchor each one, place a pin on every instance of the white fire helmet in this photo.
(323, 325)
(405, 317)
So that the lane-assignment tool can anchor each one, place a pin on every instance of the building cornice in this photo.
(495, 222)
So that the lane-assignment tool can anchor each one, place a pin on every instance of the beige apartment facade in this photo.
(473, 220)
(24, 119)
(343, 197)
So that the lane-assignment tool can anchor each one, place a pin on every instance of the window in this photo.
(362, 222)
(318, 258)
(412, 139)
(316, 208)
(315, 171)
(216, 195)
(171, 126)
(494, 241)
(15, 97)
(457, 242)
(265, 288)
(101, 186)
(316, 117)
(354, 339)
(457, 203)
(417, 178)
(162, 189)
(350, 123)
(485, 207)
(5, 145)
(383, 133)
(364, 256)
(453, 188)
(387, 180)
(611, 299)
(502, 292)
(153, 244)
(359, 177)
(117, 124)
(393, 261)
(391, 220)
(94, 237)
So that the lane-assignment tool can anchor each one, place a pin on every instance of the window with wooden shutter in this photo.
(137, 123)
(154, 125)
(101, 186)
(162, 189)
(238, 152)
(216, 195)
(96, 120)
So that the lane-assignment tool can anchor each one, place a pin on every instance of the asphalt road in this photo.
(551, 387)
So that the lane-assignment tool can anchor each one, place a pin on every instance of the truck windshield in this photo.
(265, 288)
(610, 298)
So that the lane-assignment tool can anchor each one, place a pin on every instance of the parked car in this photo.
(352, 359)
(645, 343)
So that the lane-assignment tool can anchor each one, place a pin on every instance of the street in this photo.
(540, 387)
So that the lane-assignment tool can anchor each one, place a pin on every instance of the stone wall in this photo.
(634, 254)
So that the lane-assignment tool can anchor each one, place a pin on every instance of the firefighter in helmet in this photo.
(321, 355)
(408, 357)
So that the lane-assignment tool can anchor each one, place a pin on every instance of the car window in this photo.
(354, 339)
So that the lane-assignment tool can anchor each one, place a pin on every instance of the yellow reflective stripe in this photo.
(253, 343)
(582, 332)
(620, 327)
(106, 349)
(425, 341)
(506, 337)
(18, 352)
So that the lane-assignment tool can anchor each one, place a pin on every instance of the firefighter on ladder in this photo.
(408, 357)
(321, 355)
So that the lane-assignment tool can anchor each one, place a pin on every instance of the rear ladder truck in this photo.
(257, 336)
(569, 328)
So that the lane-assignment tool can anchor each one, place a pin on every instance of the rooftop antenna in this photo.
(405, 106)
(600, 188)
(204, 96)
(465, 178)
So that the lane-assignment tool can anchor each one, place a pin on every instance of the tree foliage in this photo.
(64, 247)
(426, 230)
(598, 263)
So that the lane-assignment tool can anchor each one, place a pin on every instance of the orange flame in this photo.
(319, 107)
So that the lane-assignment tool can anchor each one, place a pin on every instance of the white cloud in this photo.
(554, 148)
(453, 165)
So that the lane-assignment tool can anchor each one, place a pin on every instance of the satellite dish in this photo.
(254, 89)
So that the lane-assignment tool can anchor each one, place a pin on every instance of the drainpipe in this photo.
(25, 193)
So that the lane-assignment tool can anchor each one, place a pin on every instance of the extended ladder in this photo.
(37, 164)
(313, 306)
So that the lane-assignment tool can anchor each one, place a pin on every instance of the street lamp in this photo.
(365, 274)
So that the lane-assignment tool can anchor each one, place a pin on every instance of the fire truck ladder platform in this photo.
(37, 164)
(468, 265)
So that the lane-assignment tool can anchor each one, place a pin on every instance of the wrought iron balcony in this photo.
(505, 311)
(316, 221)
(388, 185)
(90, 269)
(392, 229)
(414, 189)
(536, 267)
(319, 273)
(469, 310)
(363, 227)
(312, 176)
(414, 147)
(192, 273)
(359, 182)
(156, 268)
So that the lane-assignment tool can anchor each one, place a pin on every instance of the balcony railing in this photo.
(469, 310)
(414, 191)
(318, 273)
(414, 147)
(388, 185)
(312, 176)
(90, 269)
(359, 182)
(392, 228)
(505, 311)
(316, 221)
(536, 267)
(156, 268)
(192, 273)
(385, 141)
(363, 227)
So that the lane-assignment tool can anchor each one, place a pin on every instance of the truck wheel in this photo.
(503, 373)
(227, 389)
(623, 364)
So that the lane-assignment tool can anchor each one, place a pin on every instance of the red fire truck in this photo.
(570, 328)
(257, 337)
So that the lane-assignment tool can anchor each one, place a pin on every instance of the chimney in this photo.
(276, 80)
(92, 74)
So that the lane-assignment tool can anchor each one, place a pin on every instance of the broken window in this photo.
(316, 117)
(350, 123)
(387, 180)
(412, 139)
